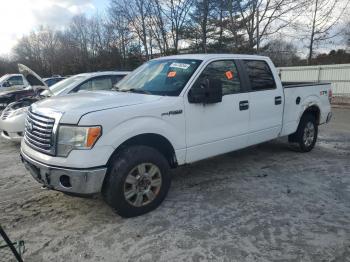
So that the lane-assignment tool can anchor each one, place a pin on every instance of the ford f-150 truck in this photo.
(168, 112)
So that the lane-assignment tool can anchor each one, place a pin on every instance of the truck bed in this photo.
(299, 95)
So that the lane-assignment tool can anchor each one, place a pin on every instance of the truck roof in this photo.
(213, 56)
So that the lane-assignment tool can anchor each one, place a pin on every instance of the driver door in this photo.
(213, 129)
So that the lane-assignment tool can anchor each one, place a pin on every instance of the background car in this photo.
(34, 85)
(11, 81)
(9, 96)
(12, 119)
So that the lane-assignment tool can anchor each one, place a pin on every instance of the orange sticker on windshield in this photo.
(172, 74)
(229, 75)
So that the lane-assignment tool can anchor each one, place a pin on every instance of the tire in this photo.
(306, 134)
(134, 173)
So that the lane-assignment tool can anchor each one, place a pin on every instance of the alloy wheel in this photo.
(142, 184)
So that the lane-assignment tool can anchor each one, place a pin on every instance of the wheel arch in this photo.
(156, 141)
(314, 110)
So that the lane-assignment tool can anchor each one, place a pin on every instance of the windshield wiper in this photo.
(140, 91)
(133, 90)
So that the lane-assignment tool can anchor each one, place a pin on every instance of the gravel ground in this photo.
(264, 203)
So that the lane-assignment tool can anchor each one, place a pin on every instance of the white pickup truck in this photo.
(168, 112)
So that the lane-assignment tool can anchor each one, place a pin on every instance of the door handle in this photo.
(278, 100)
(243, 105)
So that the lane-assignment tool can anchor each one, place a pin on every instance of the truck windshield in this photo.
(160, 77)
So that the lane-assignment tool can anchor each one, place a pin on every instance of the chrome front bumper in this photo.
(79, 181)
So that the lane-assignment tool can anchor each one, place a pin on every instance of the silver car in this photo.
(12, 119)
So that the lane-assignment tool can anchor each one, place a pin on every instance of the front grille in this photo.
(39, 132)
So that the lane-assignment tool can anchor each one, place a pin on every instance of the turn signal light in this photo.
(93, 134)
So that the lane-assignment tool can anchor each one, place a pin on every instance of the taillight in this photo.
(330, 95)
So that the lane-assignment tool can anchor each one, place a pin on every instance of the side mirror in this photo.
(208, 91)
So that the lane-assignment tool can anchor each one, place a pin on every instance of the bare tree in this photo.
(159, 26)
(281, 52)
(121, 32)
(7, 65)
(321, 16)
(263, 18)
(177, 13)
(137, 30)
(39, 50)
(347, 36)
(201, 17)
(85, 45)
(137, 13)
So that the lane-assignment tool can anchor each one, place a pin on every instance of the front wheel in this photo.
(137, 182)
(306, 134)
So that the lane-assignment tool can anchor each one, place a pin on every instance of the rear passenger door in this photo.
(265, 102)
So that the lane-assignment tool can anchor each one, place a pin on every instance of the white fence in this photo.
(338, 75)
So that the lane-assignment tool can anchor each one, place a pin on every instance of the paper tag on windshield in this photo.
(180, 65)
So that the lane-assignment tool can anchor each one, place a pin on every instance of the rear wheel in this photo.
(306, 134)
(137, 182)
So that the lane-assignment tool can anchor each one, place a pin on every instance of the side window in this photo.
(99, 83)
(84, 87)
(116, 79)
(226, 72)
(15, 81)
(260, 75)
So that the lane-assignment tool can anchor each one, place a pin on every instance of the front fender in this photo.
(142, 125)
(122, 124)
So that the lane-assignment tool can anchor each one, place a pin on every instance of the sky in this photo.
(19, 17)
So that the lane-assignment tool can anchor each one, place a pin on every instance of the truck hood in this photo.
(74, 106)
(34, 80)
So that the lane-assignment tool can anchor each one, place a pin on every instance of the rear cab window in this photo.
(260, 75)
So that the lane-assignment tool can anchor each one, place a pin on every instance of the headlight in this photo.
(18, 111)
(76, 137)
